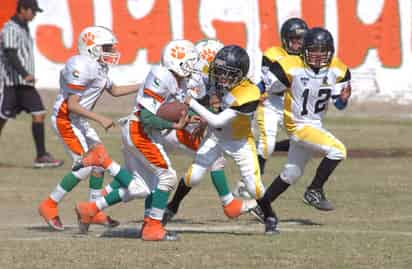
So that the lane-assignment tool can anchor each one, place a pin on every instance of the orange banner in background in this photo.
(154, 30)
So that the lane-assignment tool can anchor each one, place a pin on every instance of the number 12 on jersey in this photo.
(321, 100)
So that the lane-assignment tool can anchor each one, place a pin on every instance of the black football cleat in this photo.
(317, 199)
(270, 226)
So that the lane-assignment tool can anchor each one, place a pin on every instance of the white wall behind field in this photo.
(371, 79)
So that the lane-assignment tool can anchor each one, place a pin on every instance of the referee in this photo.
(18, 93)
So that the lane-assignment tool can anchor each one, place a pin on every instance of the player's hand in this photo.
(188, 97)
(346, 93)
(263, 97)
(106, 123)
(214, 102)
(194, 119)
(199, 131)
(184, 119)
(29, 78)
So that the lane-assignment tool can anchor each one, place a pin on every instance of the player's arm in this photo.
(342, 91)
(151, 121)
(117, 91)
(215, 120)
(74, 106)
(275, 79)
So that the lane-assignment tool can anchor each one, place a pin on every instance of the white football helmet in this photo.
(180, 56)
(207, 50)
(99, 43)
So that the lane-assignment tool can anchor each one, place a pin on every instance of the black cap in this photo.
(30, 4)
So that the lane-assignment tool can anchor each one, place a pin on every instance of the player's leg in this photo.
(267, 123)
(282, 145)
(206, 155)
(89, 212)
(127, 183)
(320, 140)
(298, 156)
(244, 154)
(30, 101)
(183, 140)
(153, 156)
(75, 144)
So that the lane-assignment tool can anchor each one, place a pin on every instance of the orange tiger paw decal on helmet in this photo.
(208, 55)
(178, 52)
(88, 39)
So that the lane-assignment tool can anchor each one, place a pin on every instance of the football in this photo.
(172, 111)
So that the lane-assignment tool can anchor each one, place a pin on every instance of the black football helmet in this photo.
(318, 48)
(229, 67)
(293, 29)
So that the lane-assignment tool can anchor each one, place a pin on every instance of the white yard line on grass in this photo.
(128, 230)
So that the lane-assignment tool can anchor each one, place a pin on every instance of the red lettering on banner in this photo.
(269, 30)
(313, 12)
(191, 26)
(151, 32)
(8, 8)
(230, 32)
(356, 38)
(49, 37)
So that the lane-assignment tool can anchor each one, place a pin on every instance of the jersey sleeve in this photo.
(275, 78)
(342, 83)
(10, 37)
(77, 74)
(157, 87)
(247, 108)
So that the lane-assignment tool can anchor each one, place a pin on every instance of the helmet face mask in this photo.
(318, 48)
(110, 54)
(229, 68)
(292, 33)
(317, 56)
(223, 76)
(99, 43)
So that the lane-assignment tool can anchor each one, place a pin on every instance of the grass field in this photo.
(371, 227)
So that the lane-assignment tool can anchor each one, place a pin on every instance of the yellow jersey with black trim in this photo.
(274, 54)
(270, 56)
(308, 94)
(244, 99)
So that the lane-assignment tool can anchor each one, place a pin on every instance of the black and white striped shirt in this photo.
(15, 35)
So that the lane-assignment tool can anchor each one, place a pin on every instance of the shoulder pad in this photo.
(161, 81)
(244, 93)
(275, 53)
(339, 68)
(79, 70)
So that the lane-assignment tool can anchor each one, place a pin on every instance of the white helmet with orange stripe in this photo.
(180, 57)
(207, 50)
(99, 43)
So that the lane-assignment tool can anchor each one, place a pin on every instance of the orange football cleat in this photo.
(96, 156)
(234, 208)
(145, 220)
(102, 219)
(88, 213)
(85, 212)
(48, 210)
(153, 230)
